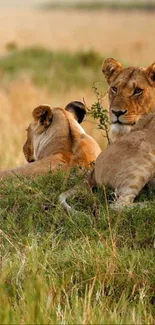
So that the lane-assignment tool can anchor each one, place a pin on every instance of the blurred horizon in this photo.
(17, 4)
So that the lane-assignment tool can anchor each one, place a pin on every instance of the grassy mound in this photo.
(94, 268)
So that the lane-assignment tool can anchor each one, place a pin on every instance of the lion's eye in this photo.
(114, 90)
(138, 91)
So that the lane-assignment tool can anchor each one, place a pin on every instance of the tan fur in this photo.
(125, 97)
(56, 139)
(128, 163)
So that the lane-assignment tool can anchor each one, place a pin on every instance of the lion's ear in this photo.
(78, 109)
(111, 68)
(150, 72)
(43, 114)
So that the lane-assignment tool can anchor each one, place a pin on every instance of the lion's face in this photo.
(49, 128)
(131, 95)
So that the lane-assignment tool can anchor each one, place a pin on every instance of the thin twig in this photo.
(97, 111)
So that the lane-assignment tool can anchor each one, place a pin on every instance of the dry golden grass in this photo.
(16, 102)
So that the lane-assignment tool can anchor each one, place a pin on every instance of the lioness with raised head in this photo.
(129, 163)
(131, 95)
(132, 156)
(132, 162)
(56, 139)
(126, 165)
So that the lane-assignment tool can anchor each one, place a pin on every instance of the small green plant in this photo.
(97, 111)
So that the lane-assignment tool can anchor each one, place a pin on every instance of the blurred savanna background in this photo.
(52, 52)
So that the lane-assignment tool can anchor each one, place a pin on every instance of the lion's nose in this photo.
(118, 113)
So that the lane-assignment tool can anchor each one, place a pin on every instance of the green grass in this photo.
(95, 268)
(98, 5)
(55, 70)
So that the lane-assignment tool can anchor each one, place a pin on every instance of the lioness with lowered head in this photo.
(56, 139)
